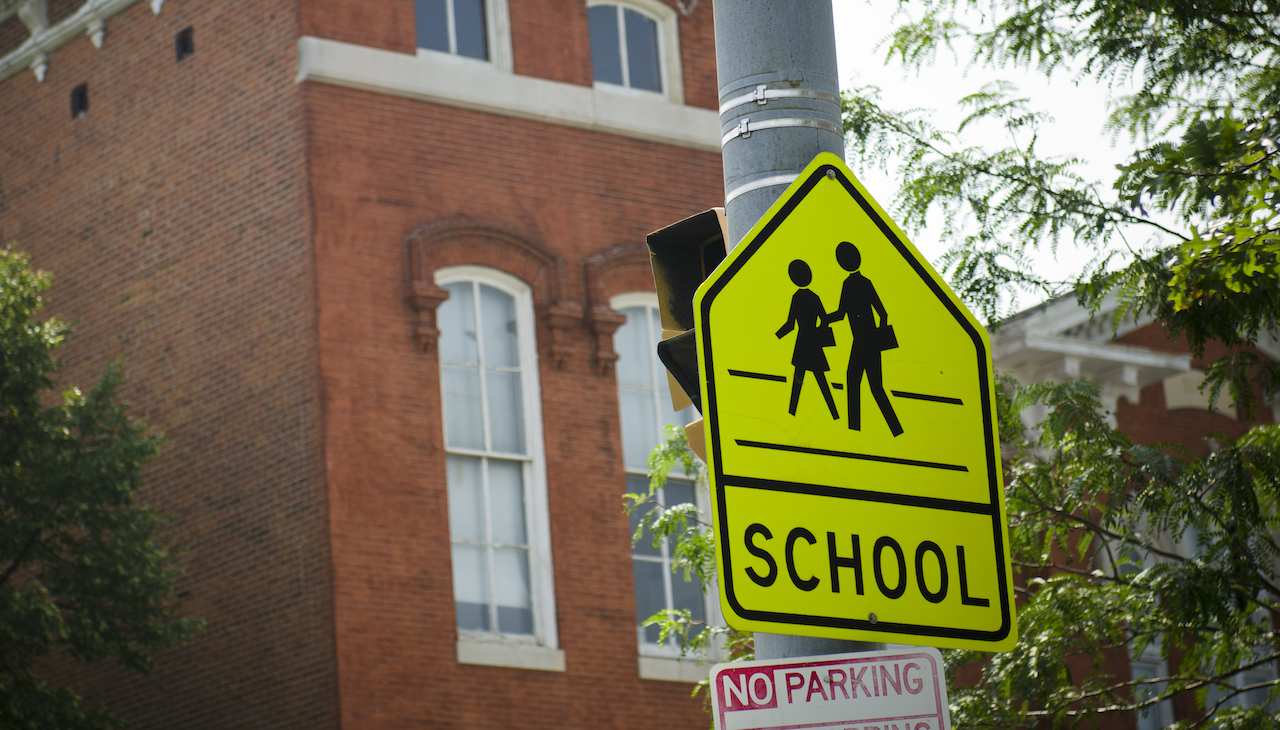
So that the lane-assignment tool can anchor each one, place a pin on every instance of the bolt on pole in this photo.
(779, 107)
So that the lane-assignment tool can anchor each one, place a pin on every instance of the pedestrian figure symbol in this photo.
(861, 305)
(808, 315)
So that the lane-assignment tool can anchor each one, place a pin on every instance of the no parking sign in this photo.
(885, 690)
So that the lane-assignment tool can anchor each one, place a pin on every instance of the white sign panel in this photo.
(902, 689)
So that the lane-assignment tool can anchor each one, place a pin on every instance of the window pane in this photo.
(1255, 697)
(433, 24)
(635, 356)
(463, 424)
(640, 485)
(678, 491)
(506, 495)
(511, 591)
(655, 326)
(506, 412)
(498, 311)
(468, 15)
(606, 55)
(642, 51)
(650, 595)
(515, 620)
(639, 432)
(466, 500)
(456, 318)
(1150, 718)
(687, 594)
(472, 616)
(637, 484)
(471, 588)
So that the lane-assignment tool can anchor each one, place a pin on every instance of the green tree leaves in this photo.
(81, 567)
(1124, 547)
(1203, 180)
(691, 539)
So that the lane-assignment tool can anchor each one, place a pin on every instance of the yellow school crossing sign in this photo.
(851, 435)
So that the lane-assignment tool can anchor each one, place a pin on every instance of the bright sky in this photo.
(1079, 111)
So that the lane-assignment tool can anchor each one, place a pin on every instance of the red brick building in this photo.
(366, 264)
(1150, 389)
(376, 270)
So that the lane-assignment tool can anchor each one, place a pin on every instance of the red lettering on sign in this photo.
(855, 681)
(731, 692)
(815, 685)
(747, 688)
(895, 681)
(914, 684)
(766, 700)
(838, 683)
(790, 687)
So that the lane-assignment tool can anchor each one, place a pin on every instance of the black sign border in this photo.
(993, 458)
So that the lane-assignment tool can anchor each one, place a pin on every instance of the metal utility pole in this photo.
(779, 107)
(779, 99)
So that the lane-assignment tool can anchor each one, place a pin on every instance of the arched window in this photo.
(634, 45)
(645, 407)
(496, 474)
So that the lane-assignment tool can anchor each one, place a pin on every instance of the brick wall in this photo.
(550, 38)
(1149, 421)
(382, 167)
(175, 219)
(241, 242)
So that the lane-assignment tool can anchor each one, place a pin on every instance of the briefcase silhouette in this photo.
(885, 338)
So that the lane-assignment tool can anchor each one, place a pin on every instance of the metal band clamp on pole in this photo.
(762, 94)
(746, 126)
(763, 182)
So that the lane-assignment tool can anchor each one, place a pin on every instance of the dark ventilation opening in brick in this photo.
(80, 101)
(184, 43)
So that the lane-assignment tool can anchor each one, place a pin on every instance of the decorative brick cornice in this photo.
(43, 39)
(602, 322)
(424, 298)
(459, 241)
(620, 269)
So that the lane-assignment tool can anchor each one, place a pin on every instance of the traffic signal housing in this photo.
(682, 255)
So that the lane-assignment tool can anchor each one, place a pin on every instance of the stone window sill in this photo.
(673, 670)
(510, 654)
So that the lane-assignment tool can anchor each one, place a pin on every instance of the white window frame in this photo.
(497, 19)
(670, 68)
(1161, 714)
(539, 651)
(1261, 673)
(1186, 545)
(664, 662)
